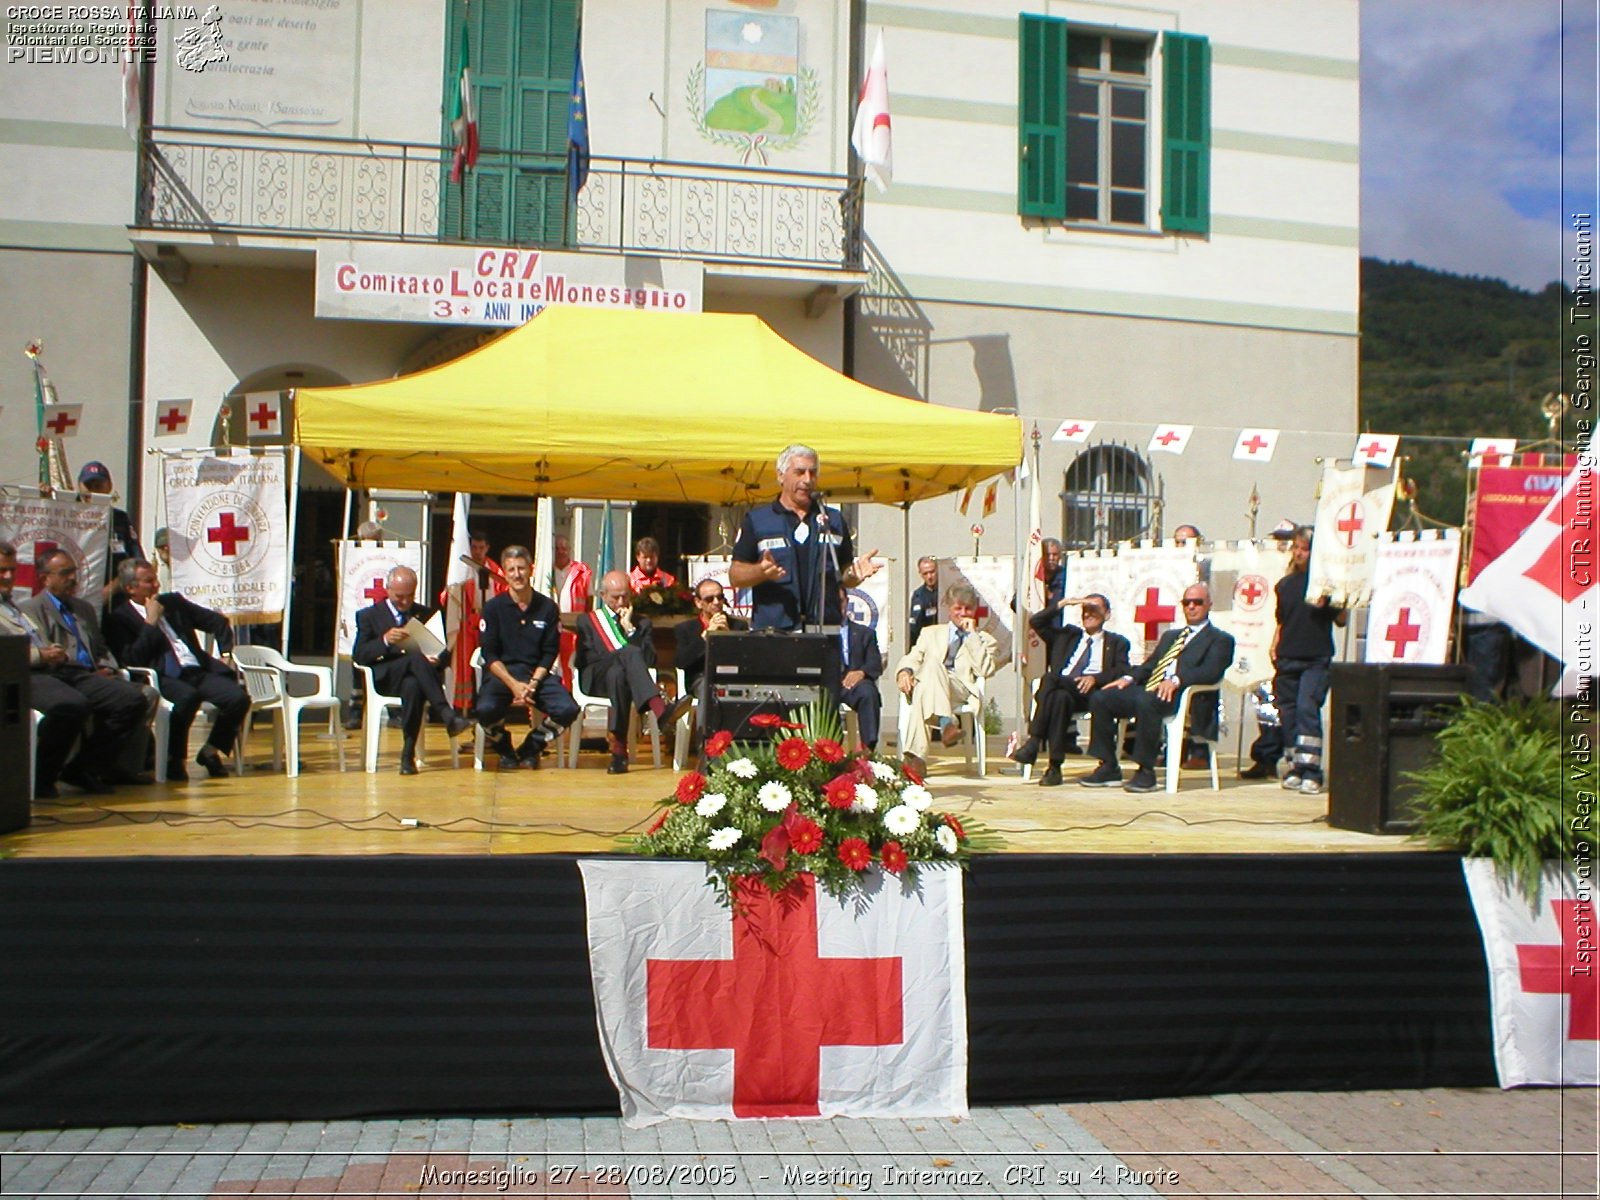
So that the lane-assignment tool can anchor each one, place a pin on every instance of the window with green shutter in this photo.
(522, 54)
(1186, 156)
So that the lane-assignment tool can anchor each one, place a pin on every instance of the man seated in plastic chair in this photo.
(521, 636)
(711, 604)
(399, 668)
(162, 633)
(614, 660)
(942, 670)
(1189, 655)
(1078, 658)
(860, 666)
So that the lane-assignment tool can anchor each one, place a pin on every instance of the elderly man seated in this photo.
(400, 670)
(943, 669)
(614, 661)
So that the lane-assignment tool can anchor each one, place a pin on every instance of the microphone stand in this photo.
(822, 564)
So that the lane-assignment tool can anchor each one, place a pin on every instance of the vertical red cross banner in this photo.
(1243, 575)
(1543, 965)
(1145, 603)
(36, 525)
(363, 567)
(794, 1006)
(1413, 597)
(228, 525)
(992, 576)
(1344, 544)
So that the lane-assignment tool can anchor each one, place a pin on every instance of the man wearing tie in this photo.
(381, 644)
(74, 652)
(944, 668)
(162, 633)
(860, 667)
(1077, 659)
(1194, 654)
(614, 660)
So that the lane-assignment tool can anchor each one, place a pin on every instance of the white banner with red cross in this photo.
(363, 569)
(1413, 597)
(993, 577)
(1243, 575)
(1345, 543)
(1545, 586)
(1543, 957)
(228, 525)
(1147, 604)
(38, 526)
(798, 1005)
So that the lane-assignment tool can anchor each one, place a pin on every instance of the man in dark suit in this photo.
(1196, 653)
(858, 677)
(381, 644)
(614, 660)
(162, 633)
(690, 658)
(74, 651)
(1077, 660)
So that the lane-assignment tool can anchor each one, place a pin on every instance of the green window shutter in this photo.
(1042, 118)
(1186, 136)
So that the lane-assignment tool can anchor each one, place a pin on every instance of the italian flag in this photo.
(463, 117)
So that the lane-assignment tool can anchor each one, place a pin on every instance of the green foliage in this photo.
(753, 110)
(1495, 789)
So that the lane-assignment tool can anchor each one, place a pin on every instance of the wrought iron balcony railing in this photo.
(394, 191)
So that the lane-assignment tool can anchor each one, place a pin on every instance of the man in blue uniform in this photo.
(521, 635)
(925, 600)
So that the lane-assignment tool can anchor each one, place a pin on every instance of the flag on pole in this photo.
(966, 499)
(991, 498)
(461, 569)
(870, 134)
(463, 115)
(577, 127)
(604, 560)
(132, 76)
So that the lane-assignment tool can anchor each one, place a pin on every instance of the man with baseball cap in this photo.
(95, 479)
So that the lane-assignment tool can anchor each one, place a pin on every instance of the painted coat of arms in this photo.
(751, 92)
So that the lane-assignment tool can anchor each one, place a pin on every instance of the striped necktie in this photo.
(1159, 671)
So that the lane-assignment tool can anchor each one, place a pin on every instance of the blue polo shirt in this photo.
(791, 602)
(530, 636)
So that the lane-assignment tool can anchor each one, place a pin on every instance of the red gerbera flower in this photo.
(790, 725)
(893, 856)
(855, 854)
(828, 750)
(914, 776)
(840, 792)
(805, 835)
(793, 753)
(691, 787)
(659, 821)
(955, 827)
(766, 720)
(717, 743)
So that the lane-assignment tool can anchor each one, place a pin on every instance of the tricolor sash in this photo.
(608, 627)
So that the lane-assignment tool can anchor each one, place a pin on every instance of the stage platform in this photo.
(463, 811)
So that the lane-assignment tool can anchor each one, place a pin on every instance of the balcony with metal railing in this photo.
(273, 186)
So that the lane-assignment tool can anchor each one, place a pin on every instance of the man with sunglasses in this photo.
(1077, 659)
(1195, 653)
(711, 605)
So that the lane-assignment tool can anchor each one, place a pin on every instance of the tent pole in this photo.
(294, 516)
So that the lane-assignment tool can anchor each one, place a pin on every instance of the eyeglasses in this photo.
(717, 599)
(1091, 611)
(1188, 602)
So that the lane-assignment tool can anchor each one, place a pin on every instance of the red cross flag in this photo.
(870, 133)
(1413, 597)
(1255, 445)
(1073, 429)
(1169, 439)
(1544, 586)
(1494, 449)
(1542, 977)
(1344, 547)
(172, 417)
(63, 420)
(263, 414)
(1375, 450)
(792, 1006)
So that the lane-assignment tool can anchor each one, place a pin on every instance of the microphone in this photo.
(821, 499)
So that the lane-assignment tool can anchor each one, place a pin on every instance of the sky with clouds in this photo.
(1474, 115)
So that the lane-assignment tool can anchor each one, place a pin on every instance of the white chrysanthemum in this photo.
(774, 797)
(884, 773)
(946, 838)
(711, 804)
(724, 838)
(901, 820)
(743, 768)
(866, 799)
(917, 796)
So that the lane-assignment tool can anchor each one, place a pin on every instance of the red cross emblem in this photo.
(228, 535)
(60, 423)
(776, 1002)
(1255, 444)
(1567, 566)
(1250, 589)
(1072, 430)
(1559, 970)
(28, 576)
(377, 593)
(173, 418)
(1152, 614)
(1374, 449)
(1402, 633)
(1168, 437)
(1352, 517)
(264, 416)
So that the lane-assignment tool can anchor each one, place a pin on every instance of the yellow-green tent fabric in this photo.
(644, 405)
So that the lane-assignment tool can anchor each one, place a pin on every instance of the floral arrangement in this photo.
(767, 811)
(663, 602)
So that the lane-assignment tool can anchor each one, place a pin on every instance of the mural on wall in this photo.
(751, 91)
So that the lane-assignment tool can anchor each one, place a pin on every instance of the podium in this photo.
(766, 672)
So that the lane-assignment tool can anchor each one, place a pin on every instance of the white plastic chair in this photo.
(266, 677)
(379, 706)
(1174, 726)
(683, 730)
(970, 714)
(587, 702)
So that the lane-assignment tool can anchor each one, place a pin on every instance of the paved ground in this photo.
(1438, 1143)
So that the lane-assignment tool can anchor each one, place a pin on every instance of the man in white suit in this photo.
(942, 670)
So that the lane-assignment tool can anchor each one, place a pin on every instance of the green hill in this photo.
(754, 110)
(1454, 356)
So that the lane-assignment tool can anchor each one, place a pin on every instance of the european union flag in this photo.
(577, 128)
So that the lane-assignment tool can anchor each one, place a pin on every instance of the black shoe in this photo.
(529, 762)
(618, 765)
(675, 711)
(1073, 749)
(177, 771)
(1105, 775)
(1259, 770)
(408, 765)
(1144, 780)
(509, 762)
(211, 759)
(1051, 777)
(456, 726)
(1027, 753)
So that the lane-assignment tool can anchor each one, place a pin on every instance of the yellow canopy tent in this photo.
(643, 405)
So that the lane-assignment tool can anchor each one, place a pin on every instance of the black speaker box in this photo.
(16, 719)
(751, 673)
(1385, 718)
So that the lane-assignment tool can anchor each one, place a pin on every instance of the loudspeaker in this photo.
(16, 723)
(1385, 718)
(767, 672)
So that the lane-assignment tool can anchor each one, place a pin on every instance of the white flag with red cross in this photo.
(227, 520)
(1542, 976)
(1073, 429)
(1169, 439)
(1544, 586)
(363, 573)
(172, 417)
(798, 1005)
(1375, 450)
(263, 414)
(62, 420)
(1413, 597)
(1344, 547)
(1255, 445)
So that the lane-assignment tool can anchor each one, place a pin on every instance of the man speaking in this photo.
(794, 553)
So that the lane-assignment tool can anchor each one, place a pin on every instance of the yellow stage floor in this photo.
(464, 811)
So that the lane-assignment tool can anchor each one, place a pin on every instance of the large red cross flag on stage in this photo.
(1542, 976)
(1169, 439)
(1544, 586)
(1413, 597)
(792, 1006)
